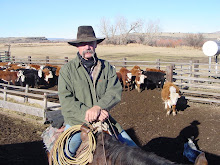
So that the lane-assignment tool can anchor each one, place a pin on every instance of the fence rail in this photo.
(24, 95)
(5, 56)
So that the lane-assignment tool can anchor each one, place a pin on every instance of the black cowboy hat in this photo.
(85, 34)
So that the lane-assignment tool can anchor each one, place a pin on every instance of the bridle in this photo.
(103, 144)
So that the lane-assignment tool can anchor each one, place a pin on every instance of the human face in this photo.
(87, 49)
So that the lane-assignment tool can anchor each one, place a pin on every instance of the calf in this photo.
(157, 78)
(170, 95)
(126, 78)
(119, 77)
(49, 76)
(138, 79)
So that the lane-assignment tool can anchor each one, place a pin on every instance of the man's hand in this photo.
(93, 113)
(103, 116)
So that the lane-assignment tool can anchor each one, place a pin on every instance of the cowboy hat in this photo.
(85, 34)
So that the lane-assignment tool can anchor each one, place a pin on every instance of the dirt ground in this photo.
(142, 115)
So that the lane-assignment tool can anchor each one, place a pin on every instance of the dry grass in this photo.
(108, 52)
(28, 104)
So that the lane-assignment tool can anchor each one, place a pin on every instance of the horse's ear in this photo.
(201, 159)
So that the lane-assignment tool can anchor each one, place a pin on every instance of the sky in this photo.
(61, 18)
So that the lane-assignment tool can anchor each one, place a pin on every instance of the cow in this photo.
(119, 77)
(155, 70)
(4, 64)
(9, 77)
(170, 95)
(14, 67)
(138, 78)
(54, 66)
(48, 76)
(126, 78)
(155, 77)
(29, 76)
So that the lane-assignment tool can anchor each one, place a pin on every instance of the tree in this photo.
(125, 28)
(151, 31)
(195, 40)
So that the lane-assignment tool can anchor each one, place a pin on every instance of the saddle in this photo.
(51, 134)
(85, 129)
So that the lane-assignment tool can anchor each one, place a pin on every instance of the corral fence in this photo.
(28, 100)
(198, 82)
(5, 56)
(46, 60)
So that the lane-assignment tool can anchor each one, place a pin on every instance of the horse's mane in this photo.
(121, 154)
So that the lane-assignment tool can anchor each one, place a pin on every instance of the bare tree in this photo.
(195, 40)
(125, 28)
(151, 32)
(104, 28)
(119, 32)
(108, 30)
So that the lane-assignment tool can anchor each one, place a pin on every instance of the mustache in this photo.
(88, 51)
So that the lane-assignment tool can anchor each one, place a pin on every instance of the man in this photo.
(88, 88)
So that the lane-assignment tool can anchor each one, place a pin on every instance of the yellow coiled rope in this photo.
(58, 156)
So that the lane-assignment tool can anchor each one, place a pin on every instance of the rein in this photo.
(103, 144)
(103, 147)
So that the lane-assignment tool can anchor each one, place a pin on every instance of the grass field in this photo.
(108, 52)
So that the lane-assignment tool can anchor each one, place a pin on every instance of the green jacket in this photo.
(78, 93)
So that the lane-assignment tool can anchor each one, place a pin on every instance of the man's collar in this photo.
(78, 61)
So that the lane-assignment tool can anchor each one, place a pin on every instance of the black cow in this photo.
(29, 76)
(156, 79)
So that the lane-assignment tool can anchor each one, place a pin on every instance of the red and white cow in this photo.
(126, 78)
(170, 95)
(8, 76)
(137, 78)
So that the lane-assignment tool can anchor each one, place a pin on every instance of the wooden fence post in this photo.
(190, 70)
(45, 105)
(124, 59)
(13, 59)
(29, 59)
(26, 91)
(169, 73)
(5, 94)
(7, 56)
(158, 64)
(196, 69)
(47, 59)
(66, 59)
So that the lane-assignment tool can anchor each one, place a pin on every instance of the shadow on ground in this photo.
(31, 153)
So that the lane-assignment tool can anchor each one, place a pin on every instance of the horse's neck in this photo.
(120, 154)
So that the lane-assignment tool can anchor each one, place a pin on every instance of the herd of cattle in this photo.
(151, 77)
(140, 79)
(31, 74)
(47, 75)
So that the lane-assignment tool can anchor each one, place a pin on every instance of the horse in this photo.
(110, 151)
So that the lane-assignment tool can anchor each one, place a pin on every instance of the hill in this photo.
(23, 39)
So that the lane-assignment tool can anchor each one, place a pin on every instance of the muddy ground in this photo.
(142, 115)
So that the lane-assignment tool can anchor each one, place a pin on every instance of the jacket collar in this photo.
(79, 62)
